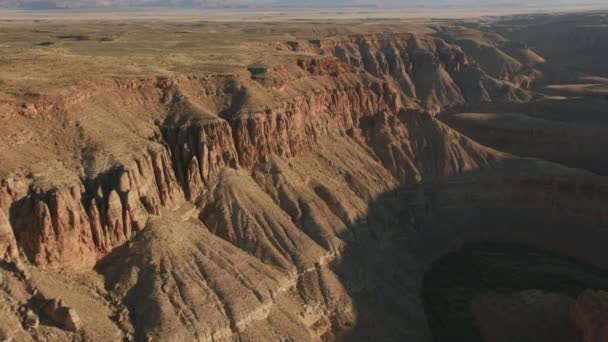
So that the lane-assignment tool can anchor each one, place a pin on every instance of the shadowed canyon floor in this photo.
(303, 180)
(534, 291)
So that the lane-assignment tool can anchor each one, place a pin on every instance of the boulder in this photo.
(62, 315)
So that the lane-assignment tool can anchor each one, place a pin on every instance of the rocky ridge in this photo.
(248, 192)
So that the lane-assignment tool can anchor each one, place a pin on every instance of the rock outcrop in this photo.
(437, 73)
(264, 204)
(189, 269)
(61, 315)
(72, 227)
(526, 135)
(8, 245)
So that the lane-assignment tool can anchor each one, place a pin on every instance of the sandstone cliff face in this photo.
(90, 217)
(433, 73)
(72, 225)
(72, 228)
(419, 71)
(239, 199)
(290, 127)
(199, 151)
(10, 191)
(8, 245)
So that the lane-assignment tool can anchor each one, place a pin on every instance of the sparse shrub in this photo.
(75, 36)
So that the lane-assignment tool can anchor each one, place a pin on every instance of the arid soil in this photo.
(287, 181)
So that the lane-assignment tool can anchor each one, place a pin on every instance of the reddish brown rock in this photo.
(199, 150)
(8, 245)
(590, 316)
(292, 126)
(325, 66)
(70, 227)
(114, 219)
(61, 315)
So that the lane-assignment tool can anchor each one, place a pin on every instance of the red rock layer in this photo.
(433, 71)
(291, 126)
(199, 151)
(72, 228)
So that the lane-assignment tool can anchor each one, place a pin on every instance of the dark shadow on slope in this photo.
(383, 268)
(458, 280)
(568, 131)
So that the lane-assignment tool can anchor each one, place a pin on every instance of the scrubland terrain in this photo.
(189, 180)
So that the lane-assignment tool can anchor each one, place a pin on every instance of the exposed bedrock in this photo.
(8, 245)
(564, 40)
(571, 144)
(199, 151)
(439, 72)
(54, 225)
(71, 227)
(304, 205)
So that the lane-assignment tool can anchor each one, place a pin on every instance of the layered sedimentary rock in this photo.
(189, 271)
(200, 150)
(440, 73)
(264, 204)
(72, 227)
(568, 143)
(8, 245)
(93, 215)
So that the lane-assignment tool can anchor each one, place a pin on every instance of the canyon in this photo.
(289, 181)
